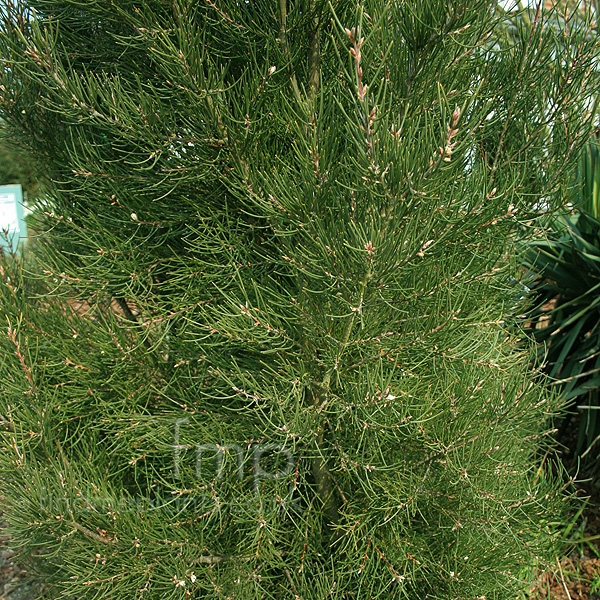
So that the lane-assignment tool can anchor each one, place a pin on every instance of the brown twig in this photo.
(89, 533)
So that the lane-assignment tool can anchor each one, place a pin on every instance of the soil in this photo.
(573, 581)
(576, 576)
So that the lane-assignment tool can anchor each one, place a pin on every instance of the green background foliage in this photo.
(17, 167)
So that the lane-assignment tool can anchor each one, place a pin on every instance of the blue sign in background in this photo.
(12, 222)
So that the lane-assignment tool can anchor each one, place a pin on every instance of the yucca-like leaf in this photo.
(565, 321)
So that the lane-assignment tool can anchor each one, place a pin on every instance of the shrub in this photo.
(264, 352)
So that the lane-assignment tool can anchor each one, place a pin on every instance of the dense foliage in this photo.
(563, 276)
(17, 167)
(261, 350)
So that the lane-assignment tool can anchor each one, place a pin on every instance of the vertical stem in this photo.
(176, 12)
(319, 468)
(321, 474)
(285, 48)
(126, 310)
(314, 57)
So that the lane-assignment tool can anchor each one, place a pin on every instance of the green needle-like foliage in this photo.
(261, 348)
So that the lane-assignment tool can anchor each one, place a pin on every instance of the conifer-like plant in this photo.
(260, 349)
